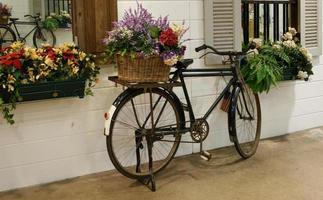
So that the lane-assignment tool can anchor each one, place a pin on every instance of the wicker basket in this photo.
(142, 70)
(4, 20)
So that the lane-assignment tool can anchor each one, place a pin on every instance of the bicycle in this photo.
(40, 34)
(146, 122)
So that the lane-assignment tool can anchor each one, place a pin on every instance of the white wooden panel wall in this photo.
(55, 140)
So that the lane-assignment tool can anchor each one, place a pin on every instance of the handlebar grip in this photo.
(203, 47)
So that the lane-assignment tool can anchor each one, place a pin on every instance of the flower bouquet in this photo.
(31, 74)
(144, 48)
(5, 13)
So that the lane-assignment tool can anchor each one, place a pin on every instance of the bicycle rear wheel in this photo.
(44, 36)
(7, 36)
(131, 128)
(245, 121)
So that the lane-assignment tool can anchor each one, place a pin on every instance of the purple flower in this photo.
(136, 20)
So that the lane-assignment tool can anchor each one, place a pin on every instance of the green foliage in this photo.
(50, 23)
(261, 71)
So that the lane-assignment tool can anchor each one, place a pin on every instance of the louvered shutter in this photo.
(223, 28)
(311, 25)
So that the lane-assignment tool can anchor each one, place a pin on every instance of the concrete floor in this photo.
(288, 167)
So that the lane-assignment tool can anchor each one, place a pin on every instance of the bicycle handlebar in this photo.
(33, 16)
(226, 53)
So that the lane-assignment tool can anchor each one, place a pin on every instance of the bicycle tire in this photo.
(132, 171)
(43, 36)
(239, 112)
(6, 31)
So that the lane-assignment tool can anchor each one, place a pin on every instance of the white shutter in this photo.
(223, 28)
(311, 25)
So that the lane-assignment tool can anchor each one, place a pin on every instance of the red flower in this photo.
(168, 38)
(68, 55)
(12, 59)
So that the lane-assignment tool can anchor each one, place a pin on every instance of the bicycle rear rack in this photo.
(116, 80)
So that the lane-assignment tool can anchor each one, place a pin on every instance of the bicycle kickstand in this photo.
(149, 180)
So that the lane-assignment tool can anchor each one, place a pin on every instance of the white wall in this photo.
(58, 139)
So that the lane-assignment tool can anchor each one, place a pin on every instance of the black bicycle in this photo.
(147, 121)
(40, 34)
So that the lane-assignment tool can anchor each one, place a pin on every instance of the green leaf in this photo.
(154, 32)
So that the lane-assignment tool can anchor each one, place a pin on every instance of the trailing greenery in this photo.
(263, 70)
(50, 23)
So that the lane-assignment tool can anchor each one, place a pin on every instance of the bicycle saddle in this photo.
(183, 64)
(14, 19)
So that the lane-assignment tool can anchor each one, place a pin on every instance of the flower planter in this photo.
(49, 90)
(142, 70)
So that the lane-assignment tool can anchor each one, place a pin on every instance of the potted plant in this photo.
(50, 23)
(28, 74)
(275, 61)
(144, 48)
(5, 13)
(55, 21)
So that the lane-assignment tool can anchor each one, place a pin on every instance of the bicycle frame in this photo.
(14, 24)
(205, 72)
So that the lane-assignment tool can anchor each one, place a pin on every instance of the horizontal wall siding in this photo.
(58, 139)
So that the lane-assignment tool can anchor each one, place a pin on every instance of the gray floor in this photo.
(288, 167)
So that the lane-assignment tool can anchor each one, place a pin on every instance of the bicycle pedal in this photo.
(206, 155)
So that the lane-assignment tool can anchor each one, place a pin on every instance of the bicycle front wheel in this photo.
(245, 121)
(44, 36)
(132, 127)
(7, 36)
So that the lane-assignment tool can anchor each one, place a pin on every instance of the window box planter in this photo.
(29, 74)
(49, 90)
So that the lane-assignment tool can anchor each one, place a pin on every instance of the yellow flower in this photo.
(45, 45)
(17, 45)
(67, 46)
(58, 51)
(70, 63)
(75, 69)
(31, 52)
(10, 81)
(74, 51)
(50, 62)
(82, 55)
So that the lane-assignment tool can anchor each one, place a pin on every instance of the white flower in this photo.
(276, 46)
(289, 44)
(306, 53)
(292, 31)
(258, 42)
(253, 52)
(302, 75)
(125, 32)
(171, 61)
(288, 36)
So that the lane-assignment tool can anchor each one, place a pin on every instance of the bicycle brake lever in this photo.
(206, 54)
